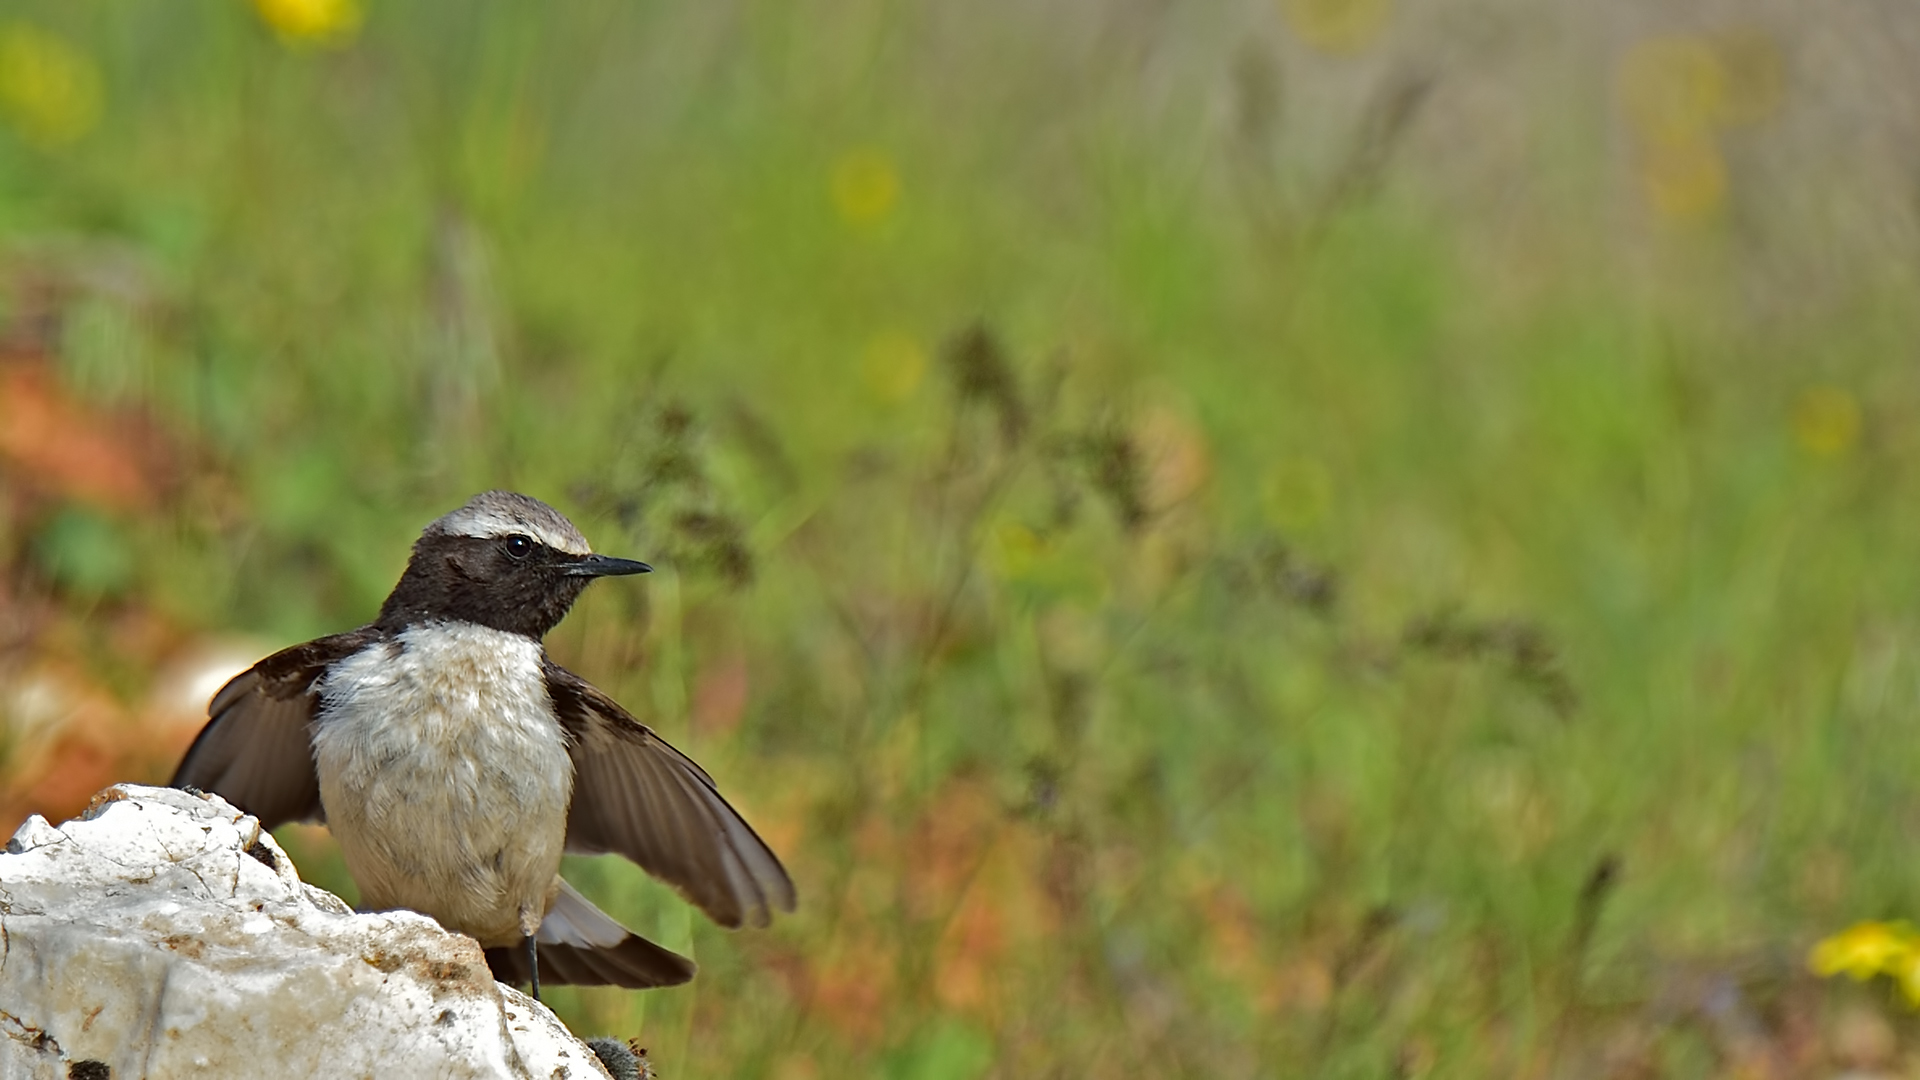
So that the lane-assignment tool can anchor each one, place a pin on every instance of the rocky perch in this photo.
(163, 934)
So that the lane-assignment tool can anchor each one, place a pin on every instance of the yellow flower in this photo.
(895, 364)
(1340, 27)
(1036, 566)
(865, 186)
(1677, 92)
(1905, 970)
(1868, 949)
(311, 22)
(1673, 88)
(1685, 178)
(1826, 421)
(1014, 551)
(49, 91)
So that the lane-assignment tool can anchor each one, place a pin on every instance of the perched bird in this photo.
(455, 762)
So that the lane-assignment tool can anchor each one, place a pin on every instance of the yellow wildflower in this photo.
(1905, 970)
(1675, 92)
(1826, 421)
(1866, 949)
(1340, 27)
(1014, 551)
(866, 185)
(1037, 566)
(1684, 178)
(895, 364)
(311, 22)
(1678, 93)
(1673, 88)
(49, 90)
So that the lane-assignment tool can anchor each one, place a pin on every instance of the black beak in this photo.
(592, 566)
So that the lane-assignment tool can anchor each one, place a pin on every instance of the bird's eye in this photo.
(519, 547)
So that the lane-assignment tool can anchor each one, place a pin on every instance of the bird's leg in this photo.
(533, 965)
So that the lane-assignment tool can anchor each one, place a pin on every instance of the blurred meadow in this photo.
(1342, 538)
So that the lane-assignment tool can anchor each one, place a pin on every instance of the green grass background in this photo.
(1478, 546)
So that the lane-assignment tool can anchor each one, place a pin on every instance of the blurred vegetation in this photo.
(1325, 537)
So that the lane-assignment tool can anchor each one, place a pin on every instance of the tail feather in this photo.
(573, 920)
(636, 964)
(580, 945)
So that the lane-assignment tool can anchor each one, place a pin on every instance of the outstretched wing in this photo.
(635, 795)
(256, 751)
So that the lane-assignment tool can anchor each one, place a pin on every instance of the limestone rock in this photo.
(165, 934)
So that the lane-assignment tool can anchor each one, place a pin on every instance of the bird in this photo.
(455, 762)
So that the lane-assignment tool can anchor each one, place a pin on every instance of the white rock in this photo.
(164, 934)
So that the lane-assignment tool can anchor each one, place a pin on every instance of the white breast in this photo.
(445, 776)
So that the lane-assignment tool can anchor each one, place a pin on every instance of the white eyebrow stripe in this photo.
(487, 523)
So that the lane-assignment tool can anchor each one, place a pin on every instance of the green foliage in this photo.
(86, 553)
(1169, 622)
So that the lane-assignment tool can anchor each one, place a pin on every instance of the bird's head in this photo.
(504, 560)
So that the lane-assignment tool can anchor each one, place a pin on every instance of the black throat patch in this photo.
(483, 580)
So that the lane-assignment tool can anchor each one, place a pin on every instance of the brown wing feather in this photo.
(635, 795)
(256, 751)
